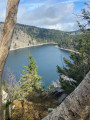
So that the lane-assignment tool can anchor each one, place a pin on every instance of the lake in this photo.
(47, 57)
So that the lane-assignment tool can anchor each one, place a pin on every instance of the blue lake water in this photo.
(47, 57)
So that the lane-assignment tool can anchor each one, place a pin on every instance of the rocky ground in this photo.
(34, 107)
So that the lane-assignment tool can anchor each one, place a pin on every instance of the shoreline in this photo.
(40, 44)
(67, 49)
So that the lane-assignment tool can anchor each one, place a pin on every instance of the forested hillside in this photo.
(25, 35)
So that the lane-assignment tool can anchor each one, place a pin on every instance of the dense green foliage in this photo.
(81, 61)
(64, 39)
(30, 81)
(41, 35)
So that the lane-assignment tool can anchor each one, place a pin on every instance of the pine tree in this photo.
(79, 65)
(31, 81)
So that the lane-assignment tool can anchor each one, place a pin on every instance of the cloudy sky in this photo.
(52, 14)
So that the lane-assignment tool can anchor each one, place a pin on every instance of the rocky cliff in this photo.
(20, 38)
(25, 36)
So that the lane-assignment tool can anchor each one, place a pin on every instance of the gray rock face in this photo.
(20, 39)
(24, 36)
(56, 93)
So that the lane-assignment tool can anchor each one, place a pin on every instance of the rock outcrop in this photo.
(20, 39)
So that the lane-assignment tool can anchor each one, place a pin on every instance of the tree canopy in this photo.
(81, 61)
(30, 80)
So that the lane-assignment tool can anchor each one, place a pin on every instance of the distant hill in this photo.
(25, 35)
(78, 32)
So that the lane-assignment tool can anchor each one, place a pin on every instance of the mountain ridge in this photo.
(25, 36)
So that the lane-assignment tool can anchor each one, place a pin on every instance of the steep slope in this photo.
(20, 39)
(25, 35)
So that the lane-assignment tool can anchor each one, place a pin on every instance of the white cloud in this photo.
(72, 1)
(63, 27)
(49, 16)
(45, 13)
(3, 4)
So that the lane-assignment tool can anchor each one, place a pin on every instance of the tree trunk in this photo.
(76, 106)
(11, 16)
